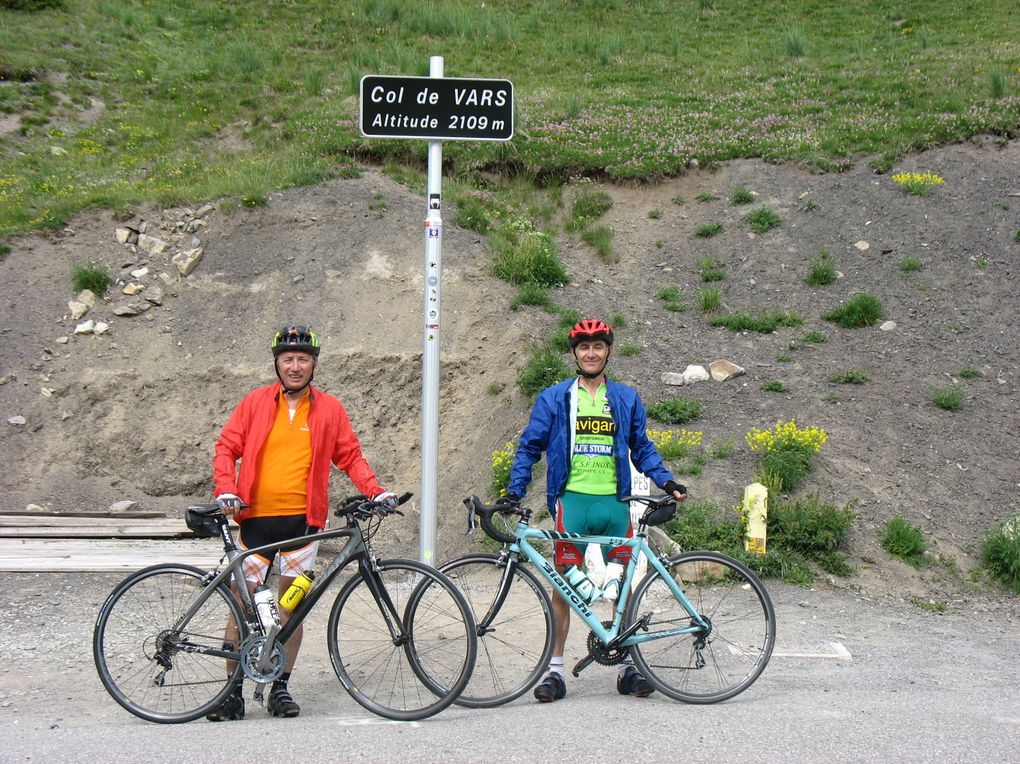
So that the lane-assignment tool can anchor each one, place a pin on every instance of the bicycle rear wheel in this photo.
(388, 675)
(151, 664)
(515, 642)
(704, 667)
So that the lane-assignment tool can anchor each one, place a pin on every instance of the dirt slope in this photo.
(133, 414)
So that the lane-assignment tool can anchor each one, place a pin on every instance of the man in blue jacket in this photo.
(590, 429)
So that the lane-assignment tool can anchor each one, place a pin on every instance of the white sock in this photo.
(627, 663)
(556, 667)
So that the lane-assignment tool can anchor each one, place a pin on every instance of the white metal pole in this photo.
(430, 356)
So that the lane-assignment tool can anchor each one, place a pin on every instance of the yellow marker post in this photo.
(756, 510)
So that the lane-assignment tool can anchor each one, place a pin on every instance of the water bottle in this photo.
(611, 587)
(265, 607)
(583, 585)
(297, 590)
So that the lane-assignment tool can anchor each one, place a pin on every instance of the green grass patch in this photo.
(850, 377)
(92, 277)
(268, 92)
(709, 299)
(588, 206)
(672, 299)
(775, 386)
(708, 230)
(949, 397)
(675, 411)
(522, 255)
(816, 338)
(600, 238)
(630, 349)
(763, 323)
(741, 195)
(910, 265)
(900, 539)
(762, 219)
(861, 310)
(532, 294)
(821, 272)
(545, 367)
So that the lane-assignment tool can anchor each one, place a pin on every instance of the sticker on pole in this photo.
(437, 108)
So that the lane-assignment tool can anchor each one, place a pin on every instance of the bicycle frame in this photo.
(355, 548)
(637, 544)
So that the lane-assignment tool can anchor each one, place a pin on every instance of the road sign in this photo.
(437, 108)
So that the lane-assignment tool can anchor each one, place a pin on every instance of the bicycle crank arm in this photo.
(638, 625)
(582, 664)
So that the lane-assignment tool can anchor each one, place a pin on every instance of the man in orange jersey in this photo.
(286, 435)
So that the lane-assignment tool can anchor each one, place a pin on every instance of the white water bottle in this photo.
(265, 607)
(583, 585)
(611, 587)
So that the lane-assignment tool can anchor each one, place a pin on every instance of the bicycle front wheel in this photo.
(515, 634)
(152, 664)
(713, 664)
(408, 663)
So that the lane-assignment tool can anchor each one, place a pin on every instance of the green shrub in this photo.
(703, 525)
(816, 337)
(544, 368)
(526, 257)
(775, 386)
(92, 277)
(629, 348)
(862, 309)
(900, 539)
(795, 45)
(706, 196)
(822, 271)
(787, 467)
(1001, 553)
(809, 525)
(763, 219)
(675, 411)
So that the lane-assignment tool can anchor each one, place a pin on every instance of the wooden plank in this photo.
(82, 513)
(52, 555)
(93, 527)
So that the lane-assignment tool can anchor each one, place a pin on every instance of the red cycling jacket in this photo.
(333, 441)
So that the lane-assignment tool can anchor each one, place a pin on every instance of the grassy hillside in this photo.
(109, 103)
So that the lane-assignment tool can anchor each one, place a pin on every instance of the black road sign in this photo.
(439, 108)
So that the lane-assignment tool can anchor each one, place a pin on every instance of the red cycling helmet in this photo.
(590, 329)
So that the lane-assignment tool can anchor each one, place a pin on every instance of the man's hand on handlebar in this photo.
(678, 490)
(507, 501)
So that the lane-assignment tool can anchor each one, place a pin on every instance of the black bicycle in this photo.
(394, 627)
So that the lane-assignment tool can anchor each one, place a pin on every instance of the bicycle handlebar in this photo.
(660, 509)
(361, 507)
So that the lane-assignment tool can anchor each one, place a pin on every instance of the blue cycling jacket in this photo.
(551, 430)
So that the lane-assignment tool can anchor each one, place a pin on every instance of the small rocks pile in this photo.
(156, 256)
(720, 370)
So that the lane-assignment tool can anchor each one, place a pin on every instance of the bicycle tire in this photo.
(386, 677)
(137, 649)
(514, 649)
(743, 628)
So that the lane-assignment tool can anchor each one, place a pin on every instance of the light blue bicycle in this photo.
(700, 625)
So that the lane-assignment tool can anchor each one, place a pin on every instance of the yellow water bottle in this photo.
(297, 591)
